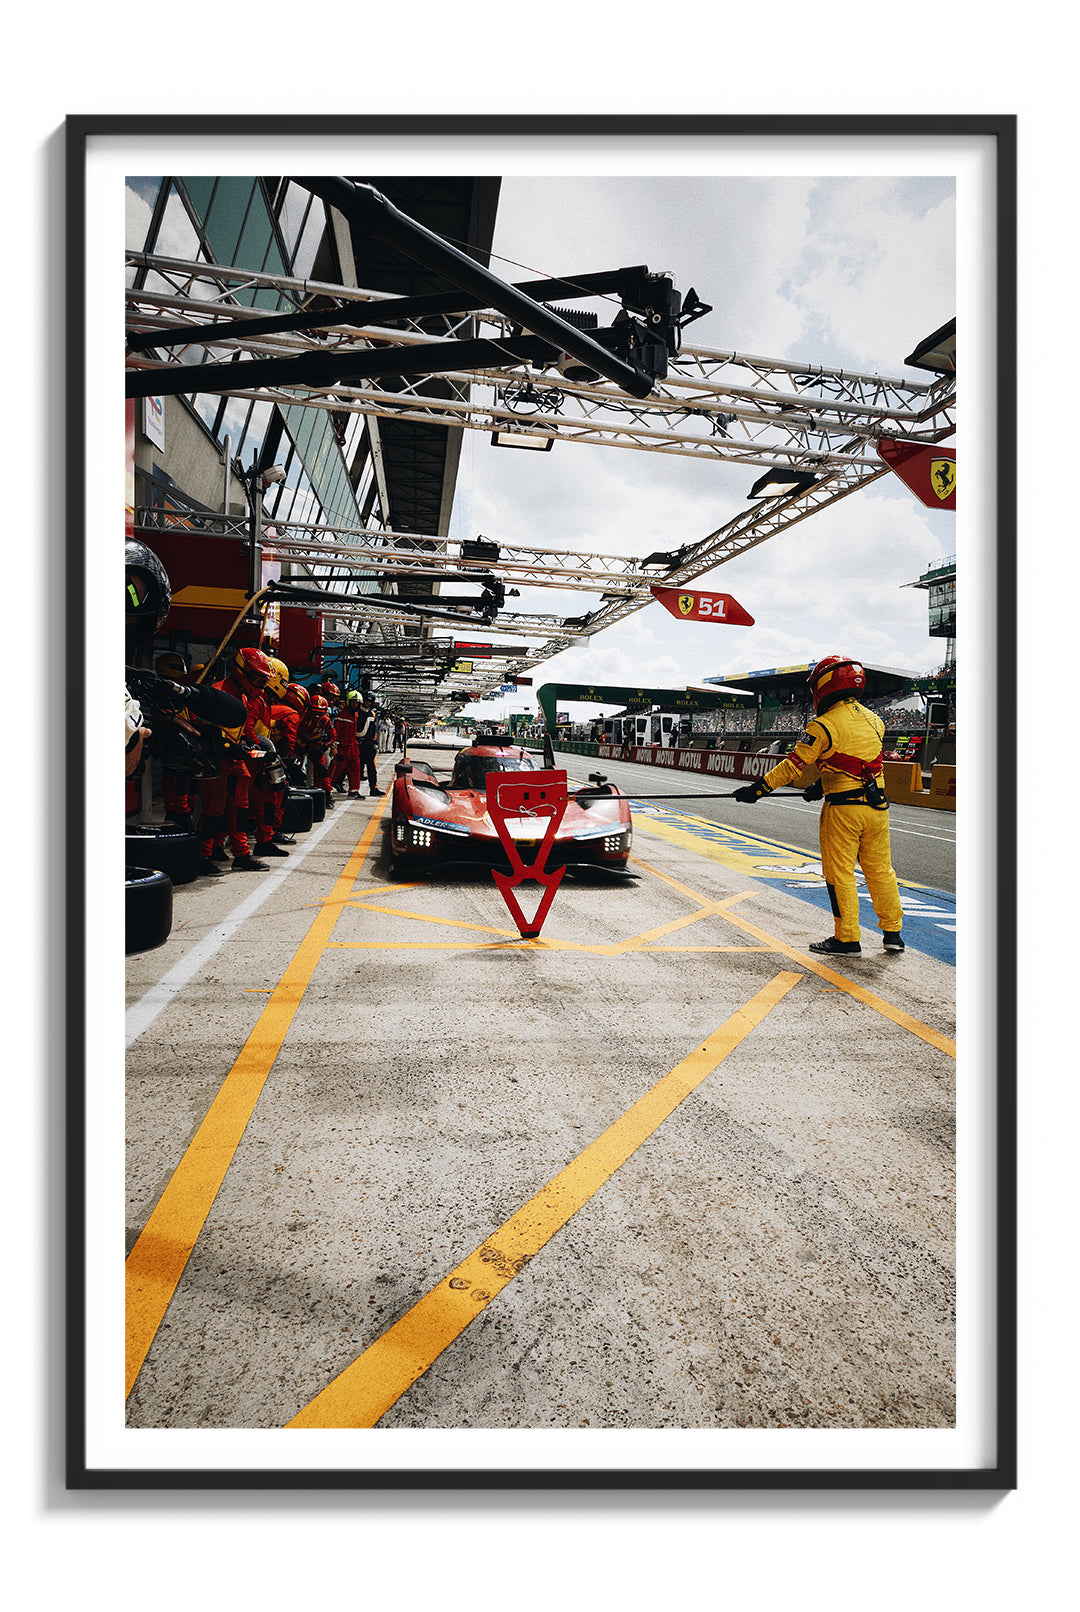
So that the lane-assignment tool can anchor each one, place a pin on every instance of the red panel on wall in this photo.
(204, 565)
(301, 641)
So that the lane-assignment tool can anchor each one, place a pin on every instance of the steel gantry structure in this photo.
(819, 423)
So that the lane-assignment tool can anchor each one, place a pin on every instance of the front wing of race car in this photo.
(431, 826)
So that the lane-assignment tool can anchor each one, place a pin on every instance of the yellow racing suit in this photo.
(845, 746)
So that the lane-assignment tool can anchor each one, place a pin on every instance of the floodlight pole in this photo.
(253, 487)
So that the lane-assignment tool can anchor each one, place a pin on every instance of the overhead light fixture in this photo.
(574, 369)
(781, 483)
(512, 436)
(937, 353)
(668, 561)
(480, 548)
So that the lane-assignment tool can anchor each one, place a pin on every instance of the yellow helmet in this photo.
(279, 677)
(171, 665)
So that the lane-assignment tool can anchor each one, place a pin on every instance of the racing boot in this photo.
(268, 848)
(892, 940)
(837, 948)
(249, 864)
(208, 869)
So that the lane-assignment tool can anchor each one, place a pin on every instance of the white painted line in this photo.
(141, 1014)
(894, 827)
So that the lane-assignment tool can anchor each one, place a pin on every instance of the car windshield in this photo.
(470, 772)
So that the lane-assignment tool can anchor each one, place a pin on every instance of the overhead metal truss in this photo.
(726, 406)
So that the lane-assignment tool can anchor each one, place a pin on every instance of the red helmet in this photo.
(835, 678)
(330, 689)
(252, 670)
(297, 696)
(319, 704)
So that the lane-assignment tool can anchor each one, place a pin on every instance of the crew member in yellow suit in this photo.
(843, 740)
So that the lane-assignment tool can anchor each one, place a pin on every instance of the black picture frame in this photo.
(1000, 1474)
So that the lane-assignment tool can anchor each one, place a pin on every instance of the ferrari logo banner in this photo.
(943, 477)
(719, 608)
(926, 468)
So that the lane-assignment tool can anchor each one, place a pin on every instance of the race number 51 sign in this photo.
(686, 605)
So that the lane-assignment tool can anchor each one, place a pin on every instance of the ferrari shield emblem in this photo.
(686, 603)
(943, 477)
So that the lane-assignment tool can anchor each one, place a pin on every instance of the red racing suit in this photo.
(227, 798)
(316, 739)
(285, 734)
(845, 746)
(348, 753)
(267, 798)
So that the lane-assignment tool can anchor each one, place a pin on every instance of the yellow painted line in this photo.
(675, 884)
(540, 944)
(424, 945)
(379, 889)
(156, 1263)
(425, 918)
(376, 1379)
(669, 928)
(767, 949)
(748, 854)
(934, 1038)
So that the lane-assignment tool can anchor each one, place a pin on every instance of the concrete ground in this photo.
(389, 1164)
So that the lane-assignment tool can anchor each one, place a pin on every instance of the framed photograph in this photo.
(700, 1173)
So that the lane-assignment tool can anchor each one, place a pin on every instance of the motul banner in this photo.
(927, 468)
(734, 764)
(719, 608)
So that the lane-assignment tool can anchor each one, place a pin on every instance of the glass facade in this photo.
(940, 585)
(277, 228)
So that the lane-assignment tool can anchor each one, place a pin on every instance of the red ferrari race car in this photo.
(436, 824)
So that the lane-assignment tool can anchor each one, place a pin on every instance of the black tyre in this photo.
(161, 846)
(318, 802)
(148, 902)
(298, 813)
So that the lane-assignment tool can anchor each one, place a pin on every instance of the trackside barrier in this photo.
(739, 765)
(943, 787)
(903, 783)
(903, 779)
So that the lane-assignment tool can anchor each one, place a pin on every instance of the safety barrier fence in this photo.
(903, 779)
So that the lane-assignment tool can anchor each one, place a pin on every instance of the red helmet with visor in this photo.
(835, 678)
(252, 670)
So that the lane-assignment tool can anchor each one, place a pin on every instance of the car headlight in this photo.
(618, 842)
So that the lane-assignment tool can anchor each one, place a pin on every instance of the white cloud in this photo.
(136, 220)
(877, 270)
(842, 272)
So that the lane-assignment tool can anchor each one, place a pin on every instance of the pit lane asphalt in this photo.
(391, 1166)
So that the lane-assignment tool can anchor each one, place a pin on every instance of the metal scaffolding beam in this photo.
(724, 406)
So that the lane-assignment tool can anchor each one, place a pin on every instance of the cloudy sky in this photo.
(844, 272)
